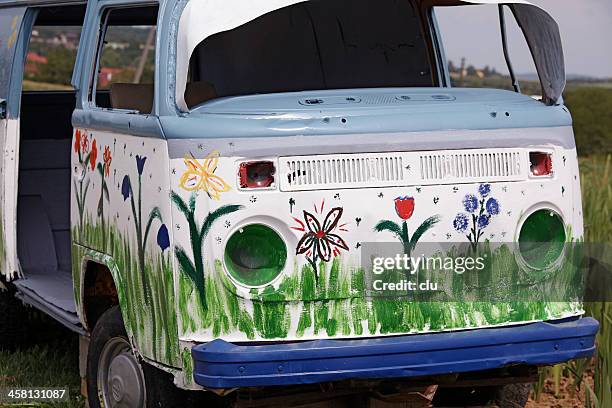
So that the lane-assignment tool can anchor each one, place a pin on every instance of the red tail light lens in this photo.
(541, 164)
(257, 174)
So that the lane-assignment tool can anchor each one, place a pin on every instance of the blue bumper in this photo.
(219, 364)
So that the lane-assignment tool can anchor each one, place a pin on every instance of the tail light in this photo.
(257, 174)
(541, 164)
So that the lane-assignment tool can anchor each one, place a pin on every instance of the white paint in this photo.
(9, 201)
(516, 197)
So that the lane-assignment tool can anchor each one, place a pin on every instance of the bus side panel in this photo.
(11, 20)
(120, 216)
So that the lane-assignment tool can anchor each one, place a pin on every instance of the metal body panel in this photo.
(219, 364)
(267, 116)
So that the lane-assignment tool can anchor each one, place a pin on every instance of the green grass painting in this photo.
(153, 324)
(335, 305)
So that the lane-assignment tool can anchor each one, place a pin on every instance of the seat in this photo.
(138, 97)
(199, 92)
(35, 244)
(42, 279)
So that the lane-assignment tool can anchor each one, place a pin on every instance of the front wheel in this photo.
(116, 378)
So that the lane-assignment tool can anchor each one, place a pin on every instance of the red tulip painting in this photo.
(77, 141)
(107, 160)
(404, 207)
(86, 159)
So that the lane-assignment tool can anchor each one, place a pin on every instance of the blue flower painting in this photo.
(163, 238)
(470, 203)
(125, 188)
(461, 222)
(140, 162)
(142, 234)
(484, 190)
(492, 206)
(480, 211)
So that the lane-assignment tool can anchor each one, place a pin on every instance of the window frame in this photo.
(102, 24)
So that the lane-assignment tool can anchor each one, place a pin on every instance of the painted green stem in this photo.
(81, 194)
(195, 270)
(103, 194)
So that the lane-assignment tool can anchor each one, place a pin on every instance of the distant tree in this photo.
(58, 69)
(471, 71)
(451, 66)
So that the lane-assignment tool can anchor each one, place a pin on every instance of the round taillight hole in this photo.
(255, 255)
(542, 239)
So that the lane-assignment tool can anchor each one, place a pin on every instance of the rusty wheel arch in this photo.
(99, 292)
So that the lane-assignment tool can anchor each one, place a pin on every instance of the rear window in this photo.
(315, 45)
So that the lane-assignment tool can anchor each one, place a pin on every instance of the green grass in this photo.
(596, 178)
(49, 358)
(591, 110)
(44, 86)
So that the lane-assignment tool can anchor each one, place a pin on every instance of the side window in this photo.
(472, 41)
(10, 23)
(50, 58)
(126, 60)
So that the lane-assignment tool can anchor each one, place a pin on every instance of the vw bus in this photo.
(200, 216)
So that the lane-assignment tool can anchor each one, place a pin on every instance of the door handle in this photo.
(2, 109)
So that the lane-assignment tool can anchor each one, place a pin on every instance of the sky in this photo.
(586, 31)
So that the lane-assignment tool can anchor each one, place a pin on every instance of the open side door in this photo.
(15, 28)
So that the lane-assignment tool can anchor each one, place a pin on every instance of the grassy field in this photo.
(43, 86)
(596, 181)
(48, 358)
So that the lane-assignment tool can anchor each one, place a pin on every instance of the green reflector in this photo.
(255, 255)
(542, 238)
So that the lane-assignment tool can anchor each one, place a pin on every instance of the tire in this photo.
(513, 395)
(133, 383)
(13, 321)
(503, 396)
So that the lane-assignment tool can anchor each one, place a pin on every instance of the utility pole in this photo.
(143, 57)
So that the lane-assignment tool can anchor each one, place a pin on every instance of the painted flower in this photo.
(94, 155)
(107, 160)
(404, 207)
(483, 221)
(84, 144)
(484, 190)
(126, 188)
(163, 239)
(470, 203)
(140, 162)
(461, 222)
(201, 176)
(77, 141)
(319, 238)
(492, 206)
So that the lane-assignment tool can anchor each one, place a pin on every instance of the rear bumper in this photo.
(219, 364)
